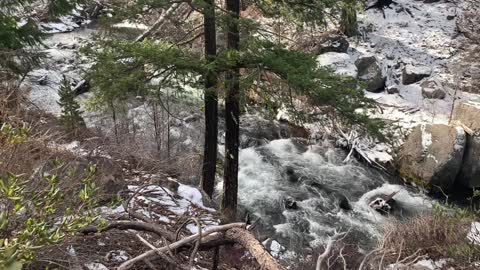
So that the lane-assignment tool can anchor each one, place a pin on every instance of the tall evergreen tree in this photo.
(211, 100)
(232, 112)
(71, 116)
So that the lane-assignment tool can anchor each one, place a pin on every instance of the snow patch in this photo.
(474, 234)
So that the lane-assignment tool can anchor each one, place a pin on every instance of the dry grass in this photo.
(434, 236)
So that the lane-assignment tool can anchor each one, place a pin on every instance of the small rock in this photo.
(380, 205)
(290, 203)
(345, 204)
(393, 89)
(332, 43)
(412, 74)
(433, 89)
(450, 17)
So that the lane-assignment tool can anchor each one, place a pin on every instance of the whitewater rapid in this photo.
(320, 182)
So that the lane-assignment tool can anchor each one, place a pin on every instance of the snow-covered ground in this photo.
(415, 34)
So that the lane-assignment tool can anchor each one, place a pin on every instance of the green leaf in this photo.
(16, 265)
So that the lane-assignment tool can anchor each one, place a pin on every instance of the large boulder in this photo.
(468, 115)
(412, 74)
(432, 155)
(433, 89)
(370, 72)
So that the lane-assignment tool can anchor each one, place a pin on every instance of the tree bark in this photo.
(232, 117)
(211, 102)
(250, 243)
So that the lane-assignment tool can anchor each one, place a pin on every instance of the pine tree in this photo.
(232, 114)
(71, 116)
(272, 70)
(211, 101)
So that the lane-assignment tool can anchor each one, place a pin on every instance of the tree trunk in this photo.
(211, 102)
(348, 22)
(232, 117)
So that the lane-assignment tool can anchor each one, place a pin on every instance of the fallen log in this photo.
(244, 238)
(187, 240)
(234, 232)
(130, 225)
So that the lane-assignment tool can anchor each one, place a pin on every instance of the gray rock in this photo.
(369, 72)
(393, 89)
(469, 116)
(332, 43)
(432, 155)
(433, 89)
(412, 74)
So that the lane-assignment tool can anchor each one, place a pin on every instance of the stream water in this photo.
(329, 195)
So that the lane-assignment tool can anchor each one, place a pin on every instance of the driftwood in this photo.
(244, 238)
(178, 244)
(233, 232)
(354, 146)
(328, 249)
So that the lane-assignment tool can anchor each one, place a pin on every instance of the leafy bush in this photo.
(31, 219)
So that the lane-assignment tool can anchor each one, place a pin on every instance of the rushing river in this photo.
(322, 192)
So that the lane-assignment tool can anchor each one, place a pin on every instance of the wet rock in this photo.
(291, 175)
(290, 203)
(344, 203)
(384, 204)
(332, 43)
(369, 72)
(432, 155)
(380, 205)
(469, 115)
(393, 89)
(256, 131)
(433, 89)
(450, 17)
(412, 74)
